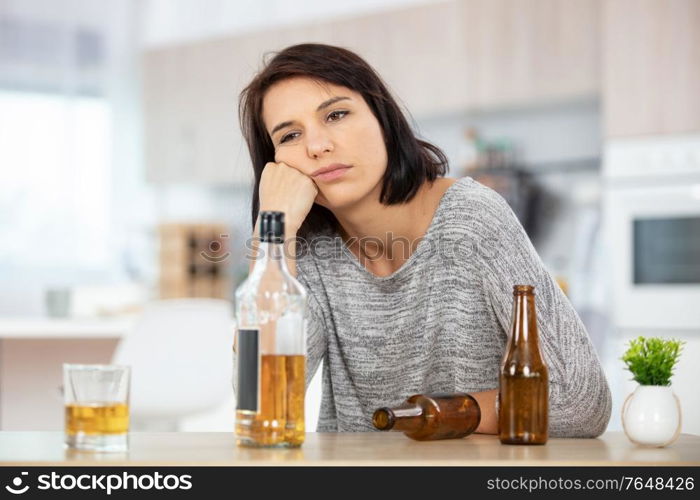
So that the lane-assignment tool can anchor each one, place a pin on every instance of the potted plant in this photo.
(651, 415)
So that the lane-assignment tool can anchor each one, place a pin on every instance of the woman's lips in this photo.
(332, 175)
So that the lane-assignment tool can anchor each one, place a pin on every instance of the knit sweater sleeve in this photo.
(579, 396)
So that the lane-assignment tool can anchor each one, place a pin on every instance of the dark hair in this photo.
(411, 161)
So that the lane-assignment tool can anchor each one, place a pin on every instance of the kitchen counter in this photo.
(61, 328)
(32, 353)
(371, 448)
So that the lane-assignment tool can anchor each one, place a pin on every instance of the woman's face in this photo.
(315, 125)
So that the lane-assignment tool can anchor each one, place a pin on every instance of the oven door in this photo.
(654, 240)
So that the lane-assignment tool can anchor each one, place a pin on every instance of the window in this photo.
(54, 180)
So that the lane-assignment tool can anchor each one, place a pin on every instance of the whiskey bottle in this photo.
(270, 354)
(524, 387)
(426, 417)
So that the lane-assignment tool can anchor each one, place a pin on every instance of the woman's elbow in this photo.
(588, 418)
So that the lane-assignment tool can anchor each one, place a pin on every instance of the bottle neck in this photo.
(405, 417)
(270, 255)
(524, 329)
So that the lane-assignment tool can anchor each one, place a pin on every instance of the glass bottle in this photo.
(426, 417)
(524, 387)
(270, 355)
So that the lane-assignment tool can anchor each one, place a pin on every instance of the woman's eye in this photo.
(337, 114)
(333, 116)
(287, 137)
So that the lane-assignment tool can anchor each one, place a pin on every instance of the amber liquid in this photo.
(523, 416)
(99, 418)
(425, 417)
(280, 421)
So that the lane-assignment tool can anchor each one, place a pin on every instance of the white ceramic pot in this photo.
(651, 416)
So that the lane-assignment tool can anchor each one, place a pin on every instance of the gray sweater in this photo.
(441, 321)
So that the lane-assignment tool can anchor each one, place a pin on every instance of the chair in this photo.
(179, 351)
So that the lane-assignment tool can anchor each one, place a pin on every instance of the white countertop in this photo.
(51, 328)
(108, 327)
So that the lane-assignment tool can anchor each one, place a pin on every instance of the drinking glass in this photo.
(96, 407)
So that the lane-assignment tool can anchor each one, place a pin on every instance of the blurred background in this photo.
(124, 179)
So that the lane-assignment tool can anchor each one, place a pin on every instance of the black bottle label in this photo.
(248, 369)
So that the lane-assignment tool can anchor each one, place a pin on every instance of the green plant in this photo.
(651, 360)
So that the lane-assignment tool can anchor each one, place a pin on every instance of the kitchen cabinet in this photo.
(481, 54)
(191, 115)
(530, 51)
(651, 62)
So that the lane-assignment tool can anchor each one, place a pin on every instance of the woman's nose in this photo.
(318, 143)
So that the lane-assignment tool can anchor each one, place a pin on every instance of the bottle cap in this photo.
(272, 227)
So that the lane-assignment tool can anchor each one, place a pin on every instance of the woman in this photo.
(409, 273)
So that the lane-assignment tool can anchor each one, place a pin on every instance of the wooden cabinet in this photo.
(651, 63)
(530, 51)
(481, 54)
(191, 115)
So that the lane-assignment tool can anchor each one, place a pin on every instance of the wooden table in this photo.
(372, 448)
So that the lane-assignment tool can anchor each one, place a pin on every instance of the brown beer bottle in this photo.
(425, 417)
(524, 388)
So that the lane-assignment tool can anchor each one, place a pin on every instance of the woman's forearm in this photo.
(487, 405)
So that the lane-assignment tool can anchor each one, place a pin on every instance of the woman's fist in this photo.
(286, 189)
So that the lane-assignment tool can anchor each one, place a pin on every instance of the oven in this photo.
(652, 227)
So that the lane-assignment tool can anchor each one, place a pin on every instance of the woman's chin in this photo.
(332, 204)
(322, 200)
(338, 201)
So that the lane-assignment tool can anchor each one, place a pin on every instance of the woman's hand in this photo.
(286, 189)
